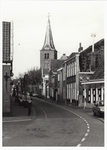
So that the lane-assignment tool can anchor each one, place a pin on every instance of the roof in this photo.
(64, 57)
(72, 54)
(99, 72)
(96, 47)
(85, 59)
(56, 64)
(48, 43)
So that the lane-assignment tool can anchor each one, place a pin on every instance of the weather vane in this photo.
(93, 35)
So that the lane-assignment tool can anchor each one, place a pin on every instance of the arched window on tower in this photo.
(45, 56)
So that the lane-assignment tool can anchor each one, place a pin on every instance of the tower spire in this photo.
(48, 42)
(49, 16)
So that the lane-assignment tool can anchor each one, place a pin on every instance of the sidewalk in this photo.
(19, 112)
(86, 110)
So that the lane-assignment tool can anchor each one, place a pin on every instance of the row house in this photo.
(70, 78)
(94, 87)
(76, 80)
(92, 74)
(52, 85)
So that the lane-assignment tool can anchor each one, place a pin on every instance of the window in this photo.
(67, 91)
(58, 76)
(67, 71)
(89, 95)
(75, 68)
(71, 69)
(46, 56)
(63, 73)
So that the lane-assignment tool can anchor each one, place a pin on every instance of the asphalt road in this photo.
(55, 125)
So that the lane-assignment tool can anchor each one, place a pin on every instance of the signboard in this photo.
(6, 40)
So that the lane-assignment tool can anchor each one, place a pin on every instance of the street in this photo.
(55, 125)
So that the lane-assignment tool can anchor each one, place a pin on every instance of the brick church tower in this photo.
(48, 51)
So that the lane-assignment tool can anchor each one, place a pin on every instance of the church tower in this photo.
(48, 51)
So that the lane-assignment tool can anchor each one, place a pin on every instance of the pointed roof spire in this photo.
(48, 43)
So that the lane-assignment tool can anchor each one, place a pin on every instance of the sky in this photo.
(71, 23)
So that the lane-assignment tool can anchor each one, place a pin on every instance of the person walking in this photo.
(29, 104)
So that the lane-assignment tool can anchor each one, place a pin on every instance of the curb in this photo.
(102, 120)
(22, 118)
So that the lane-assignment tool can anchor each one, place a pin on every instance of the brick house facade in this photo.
(6, 90)
(82, 65)
(7, 59)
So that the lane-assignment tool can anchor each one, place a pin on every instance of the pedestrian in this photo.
(29, 104)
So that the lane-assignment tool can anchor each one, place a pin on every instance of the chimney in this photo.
(80, 48)
(92, 61)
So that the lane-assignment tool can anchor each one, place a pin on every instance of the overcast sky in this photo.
(71, 23)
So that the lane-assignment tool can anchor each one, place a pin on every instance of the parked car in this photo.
(22, 101)
(35, 94)
(98, 109)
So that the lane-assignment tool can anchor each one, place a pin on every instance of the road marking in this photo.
(78, 145)
(86, 134)
(43, 111)
(88, 130)
(83, 139)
